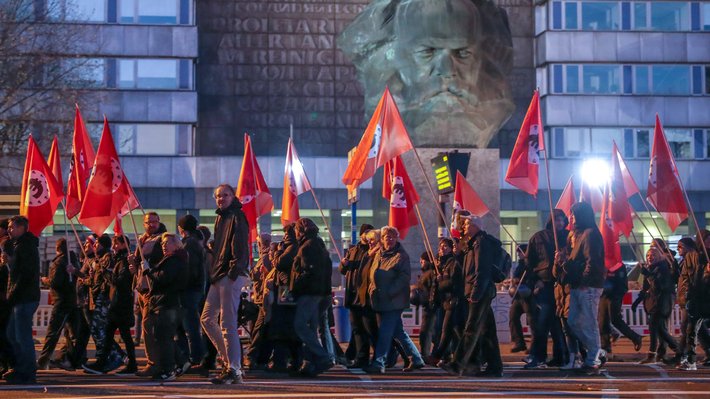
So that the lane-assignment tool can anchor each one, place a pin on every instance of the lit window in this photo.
(601, 79)
(156, 12)
(603, 15)
(576, 142)
(671, 16)
(602, 140)
(671, 80)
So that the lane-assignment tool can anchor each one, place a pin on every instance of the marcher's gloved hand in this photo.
(560, 257)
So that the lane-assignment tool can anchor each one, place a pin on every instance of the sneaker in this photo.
(94, 368)
(602, 358)
(535, 365)
(372, 369)
(228, 376)
(62, 364)
(685, 365)
(650, 359)
(180, 370)
(587, 370)
(113, 364)
(129, 369)
(167, 376)
(414, 366)
(451, 368)
(572, 365)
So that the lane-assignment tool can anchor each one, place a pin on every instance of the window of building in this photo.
(707, 144)
(670, 16)
(705, 15)
(571, 15)
(84, 73)
(707, 79)
(148, 138)
(602, 140)
(641, 80)
(149, 74)
(572, 78)
(671, 80)
(643, 143)
(601, 79)
(640, 15)
(602, 15)
(77, 10)
(681, 143)
(154, 12)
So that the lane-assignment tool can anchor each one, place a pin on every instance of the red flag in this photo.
(567, 199)
(612, 248)
(118, 226)
(664, 188)
(82, 159)
(465, 197)
(399, 190)
(108, 193)
(295, 183)
(252, 190)
(41, 193)
(591, 195)
(619, 209)
(630, 185)
(55, 163)
(525, 159)
(385, 137)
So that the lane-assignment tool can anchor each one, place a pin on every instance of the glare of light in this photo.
(595, 172)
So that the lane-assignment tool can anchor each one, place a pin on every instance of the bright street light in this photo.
(595, 172)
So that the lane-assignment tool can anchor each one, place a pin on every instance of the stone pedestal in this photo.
(483, 174)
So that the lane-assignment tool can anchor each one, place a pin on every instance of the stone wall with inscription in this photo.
(266, 64)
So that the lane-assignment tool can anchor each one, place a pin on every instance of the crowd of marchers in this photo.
(183, 296)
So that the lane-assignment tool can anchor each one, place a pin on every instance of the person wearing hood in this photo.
(63, 292)
(23, 294)
(540, 259)
(388, 289)
(5, 349)
(616, 286)
(450, 286)
(585, 274)
(310, 285)
(430, 304)
(351, 268)
(228, 275)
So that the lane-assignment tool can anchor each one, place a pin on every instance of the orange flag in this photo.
(612, 247)
(664, 189)
(295, 183)
(252, 190)
(620, 208)
(41, 193)
(630, 185)
(385, 138)
(108, 193)
(567, 199)
(81, 161)
(525, 160)
(399, 190)
(55, 163)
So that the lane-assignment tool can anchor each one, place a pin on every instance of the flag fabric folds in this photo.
(630, 185)
(567, 199)
(524, 164)
(108, 193)
(55, 163)
(612, 247)
(295, 183)
(399, 190)
(41, 192)
(619, 206)
(664, 191)
(385, 137)
(252, 190)
(465, 197)
(591, 195)
(81, 161)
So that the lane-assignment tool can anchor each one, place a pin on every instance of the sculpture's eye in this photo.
(463, 53)
(425, 52)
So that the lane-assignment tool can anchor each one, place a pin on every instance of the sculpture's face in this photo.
(439, 55)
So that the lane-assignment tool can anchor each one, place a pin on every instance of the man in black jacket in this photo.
(451, 287)
(228, 274)
(615, 287)
(23, 296)
(480, 251)
(5, 349)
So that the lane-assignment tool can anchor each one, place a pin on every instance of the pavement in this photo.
(622, 378)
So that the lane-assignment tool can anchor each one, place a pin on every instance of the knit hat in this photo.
(365, 227)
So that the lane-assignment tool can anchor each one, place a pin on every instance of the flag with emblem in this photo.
(80, 163)
(399, 190)
(385, 138)
(465, 197)
(40, 193)
(523, 169)
(252, 190)
(108, 191)
(664, 190)
(295, 183)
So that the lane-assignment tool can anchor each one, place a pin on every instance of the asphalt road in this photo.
(622, 379)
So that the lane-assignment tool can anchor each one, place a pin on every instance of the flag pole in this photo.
(325, 221)
(692, 213)
(636, 242)
(253, 178)
(78, 240)
(425, 237)
(549, 198)
(645, 205)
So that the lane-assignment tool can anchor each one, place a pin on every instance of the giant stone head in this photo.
(445, 61)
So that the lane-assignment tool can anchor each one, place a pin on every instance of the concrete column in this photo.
(336, 227)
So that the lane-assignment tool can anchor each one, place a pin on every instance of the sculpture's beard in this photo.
(438, 96)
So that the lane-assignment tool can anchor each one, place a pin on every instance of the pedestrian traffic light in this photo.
(445, 166)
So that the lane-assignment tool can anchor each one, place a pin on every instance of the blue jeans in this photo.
(326, 338)
(306, 322)
(191, 342)
(19, 334)
(582, 320)
(389, 325)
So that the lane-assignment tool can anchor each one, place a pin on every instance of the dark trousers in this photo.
(62, 317)
(260, 348)
(5, 347)
(691, 334)
(426, 330)
(19, 333)
(518, 307)
(658, 331)
(160, 326)
(480, 329)
(189, 338)
(546, 323)
(610, 314)
(360, 335)
(451, 331)
(113, 324)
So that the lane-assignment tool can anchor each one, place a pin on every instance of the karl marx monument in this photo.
(445, 62)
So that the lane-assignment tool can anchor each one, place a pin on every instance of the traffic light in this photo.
(445, 166)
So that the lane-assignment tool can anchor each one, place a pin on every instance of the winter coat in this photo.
(100, 278)
(479, 259)
(62, 290)
(690, 284)
(121, 291)
(312, 269)
(258, 275)
(657, 289)
(196, 259)
(450, 282)
(23, 281)
(390, 274)
(587, 260)
(231, 244)
(562, 291)
(168, 279)
(283, 260)
(153, 253)
(540, 255)
(362, 298)
(616, 284)
(355, 257)
(428, 285)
